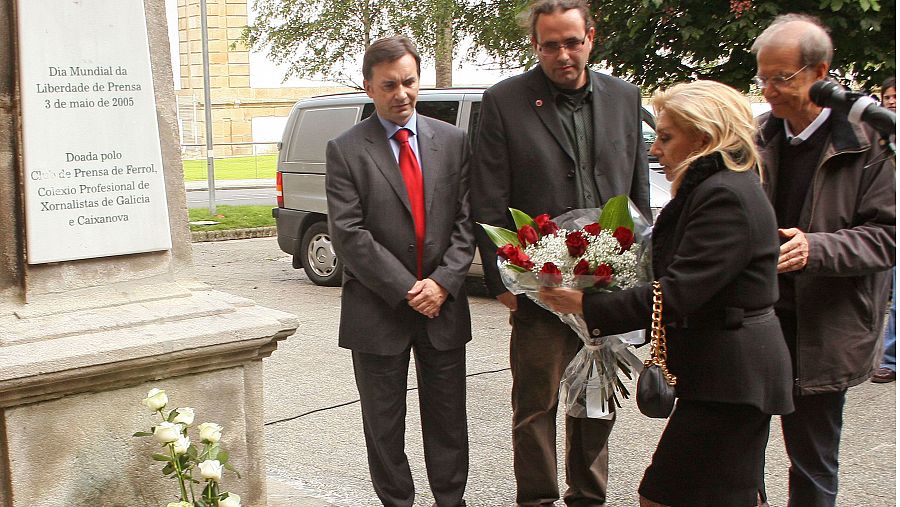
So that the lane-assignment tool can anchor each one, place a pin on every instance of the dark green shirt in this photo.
(577, 117)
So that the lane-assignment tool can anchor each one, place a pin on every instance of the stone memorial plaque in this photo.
(93, 170)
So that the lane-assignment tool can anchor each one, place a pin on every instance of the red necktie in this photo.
(412, 176)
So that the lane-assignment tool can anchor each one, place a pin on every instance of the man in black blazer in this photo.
(398, 209)
(558, 137)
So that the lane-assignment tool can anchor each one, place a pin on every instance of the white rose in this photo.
(167, 432)
(211, 470)
(178, 504)
(185, 416)
(210, 432)
(156, 399)
(182, 444)
(231, 500)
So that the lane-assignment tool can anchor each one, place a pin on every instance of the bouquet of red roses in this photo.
(579, 250)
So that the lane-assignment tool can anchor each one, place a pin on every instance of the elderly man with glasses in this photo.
(832, 186)
(557, 137)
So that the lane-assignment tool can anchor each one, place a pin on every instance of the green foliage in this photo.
(232, 217)
(324, 38)
(654, 43)
(615, 214)
(711, 39)
(521, 218)
(500, 236)
(232, 168)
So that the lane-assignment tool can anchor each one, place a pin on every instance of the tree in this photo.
(325, 38)
(657, 42)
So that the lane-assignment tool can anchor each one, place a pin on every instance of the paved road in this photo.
(314, 441)
(242, 197)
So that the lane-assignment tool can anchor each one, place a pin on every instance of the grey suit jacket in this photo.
(523, 160)
(371, 228)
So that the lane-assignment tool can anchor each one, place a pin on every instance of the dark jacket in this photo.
(715, 252)
(372, 232)
(523, 160)
(849, 217)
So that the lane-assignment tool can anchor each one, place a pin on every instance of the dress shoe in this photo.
(884, 375)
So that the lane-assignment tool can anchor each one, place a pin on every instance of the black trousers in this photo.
(812, 435)
(381, 381)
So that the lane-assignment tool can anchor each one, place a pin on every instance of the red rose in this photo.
(546, 226)
(592, 229)
(625, 238)
(527, 235)
(603, 275)
(515, 256)
(507, 252)
(551, 274)
(582, 268)
(576, 243)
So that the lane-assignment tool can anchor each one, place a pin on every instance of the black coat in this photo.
(522, 159)
(715, 254)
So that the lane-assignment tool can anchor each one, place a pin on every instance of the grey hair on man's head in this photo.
(813, 39)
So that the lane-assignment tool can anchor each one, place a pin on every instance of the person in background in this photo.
(715, 252)
(557, 137)
(832, 186)
(398, 210)
(887, 372)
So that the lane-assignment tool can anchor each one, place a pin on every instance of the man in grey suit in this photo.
(398, 208)
(558, 137)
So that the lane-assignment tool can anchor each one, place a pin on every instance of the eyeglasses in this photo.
(571, 45)
(776, 81)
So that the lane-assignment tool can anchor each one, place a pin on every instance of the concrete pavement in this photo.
(203, 185)
(315, 452)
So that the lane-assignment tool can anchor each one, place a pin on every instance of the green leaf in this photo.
(521, 218)
(142, 434)
(500, 236)
(222, 457)
(161, 457)
(229, 467)
(172, 415)
(168, 469)
(615, 214)
(865, 5)
(519, 269)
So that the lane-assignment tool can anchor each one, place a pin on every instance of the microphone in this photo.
(857, 106)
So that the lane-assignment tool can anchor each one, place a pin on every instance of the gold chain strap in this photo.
(658, 337)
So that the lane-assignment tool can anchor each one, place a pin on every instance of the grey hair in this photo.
(815, 43)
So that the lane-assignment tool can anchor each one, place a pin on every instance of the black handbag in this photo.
(656, 386)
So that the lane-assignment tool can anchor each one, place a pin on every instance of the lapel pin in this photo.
(539, 102)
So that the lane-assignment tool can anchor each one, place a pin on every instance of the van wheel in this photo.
(317, 256)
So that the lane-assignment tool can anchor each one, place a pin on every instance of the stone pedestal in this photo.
(82, 341)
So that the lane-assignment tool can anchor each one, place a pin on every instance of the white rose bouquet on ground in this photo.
(184, 462)
(590, 250)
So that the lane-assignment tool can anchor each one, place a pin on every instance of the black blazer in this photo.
(372, 231)
(523, 160)
(715, 253)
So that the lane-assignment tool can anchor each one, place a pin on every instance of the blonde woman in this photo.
(715, 251)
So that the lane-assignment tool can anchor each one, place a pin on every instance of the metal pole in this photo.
(207, 108)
